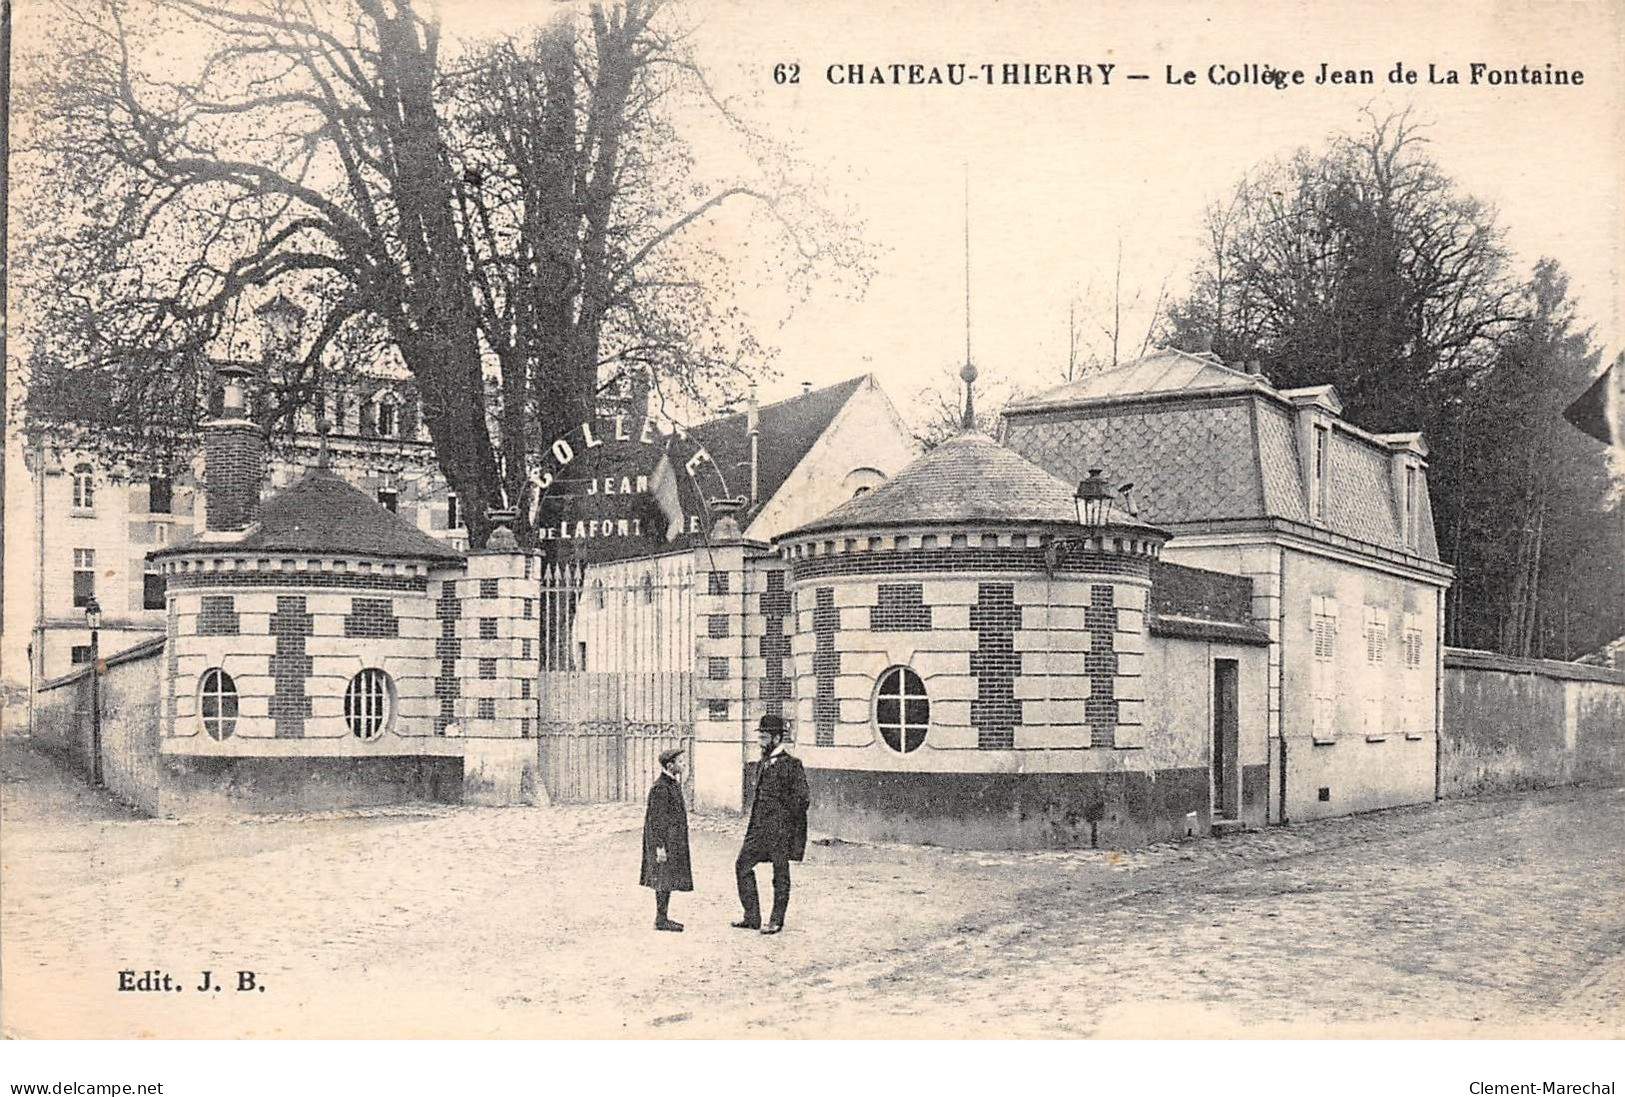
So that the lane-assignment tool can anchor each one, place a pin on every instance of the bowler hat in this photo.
(667, 757)
(771, 725)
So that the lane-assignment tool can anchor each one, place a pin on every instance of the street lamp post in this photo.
(93, 617)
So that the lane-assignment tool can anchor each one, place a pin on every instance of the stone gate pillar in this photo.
(499, 667)
(720, 649)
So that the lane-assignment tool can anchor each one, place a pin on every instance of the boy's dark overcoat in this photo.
(665, 824)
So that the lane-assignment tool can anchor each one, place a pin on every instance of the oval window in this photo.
(366, 703)
(217, 703)
(902, 709)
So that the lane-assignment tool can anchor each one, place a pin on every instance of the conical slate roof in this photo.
(969, 479)
(321, 513)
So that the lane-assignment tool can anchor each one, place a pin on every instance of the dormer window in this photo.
(384, 415)
(1321, 471)
(1410, 516)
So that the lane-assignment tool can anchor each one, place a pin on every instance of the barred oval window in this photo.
(902, 709)
(367, 703)
(217, 703)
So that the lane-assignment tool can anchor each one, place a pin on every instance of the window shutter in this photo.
(1323, 670)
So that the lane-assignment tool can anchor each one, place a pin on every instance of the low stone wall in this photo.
(1109, 810)
(1528, 723)
(128, 689)
(136, 770)
(194, 786)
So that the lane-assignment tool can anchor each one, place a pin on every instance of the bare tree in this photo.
(510, 213)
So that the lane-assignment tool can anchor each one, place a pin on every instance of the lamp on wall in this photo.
(1094, 499)
(93, 618)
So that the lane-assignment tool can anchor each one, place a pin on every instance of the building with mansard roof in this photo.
(1330, 522)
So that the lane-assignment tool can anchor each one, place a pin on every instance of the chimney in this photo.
(806, 388)
(637, 394)
(233, 456)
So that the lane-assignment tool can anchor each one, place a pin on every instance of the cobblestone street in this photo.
(1493, 917)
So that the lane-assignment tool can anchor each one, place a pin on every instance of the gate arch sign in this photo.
(621, 486)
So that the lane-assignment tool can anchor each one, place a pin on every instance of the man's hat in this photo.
(667, 757)
(771, 725)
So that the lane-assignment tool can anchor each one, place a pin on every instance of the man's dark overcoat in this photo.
(665, 824)
(778, 811)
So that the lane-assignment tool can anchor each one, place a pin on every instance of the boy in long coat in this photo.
(777, 832)
(665, 840)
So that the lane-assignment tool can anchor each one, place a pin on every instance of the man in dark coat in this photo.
(777, 831)
(665, 840)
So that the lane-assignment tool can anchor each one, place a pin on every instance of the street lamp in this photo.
(93, 618)
(1094, 499)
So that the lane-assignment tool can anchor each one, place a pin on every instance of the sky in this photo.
(1082, 196)
(1062, 180)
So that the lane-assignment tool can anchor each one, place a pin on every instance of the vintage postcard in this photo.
(709, 519)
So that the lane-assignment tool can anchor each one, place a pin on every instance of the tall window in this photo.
(453, 519)
(84, 487)
(84, 576)
(389, 419)
(160, 495)
(366, 703)
(217, 703)
(1323, 441)
(902, 710)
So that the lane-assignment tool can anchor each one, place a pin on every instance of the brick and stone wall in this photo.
(293, 634)
(1012, 664)
(725, 663)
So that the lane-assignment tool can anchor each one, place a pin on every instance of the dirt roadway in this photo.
(1491, 917)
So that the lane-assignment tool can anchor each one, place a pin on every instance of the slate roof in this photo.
(970, 478)
(789, 428)
(321, 513)
(1188, 462)
(1163, 371)
(1215, 445)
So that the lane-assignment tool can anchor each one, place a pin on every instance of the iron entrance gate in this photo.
(617, 682)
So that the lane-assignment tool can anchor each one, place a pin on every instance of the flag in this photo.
(1597, 411)
(663, 486)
